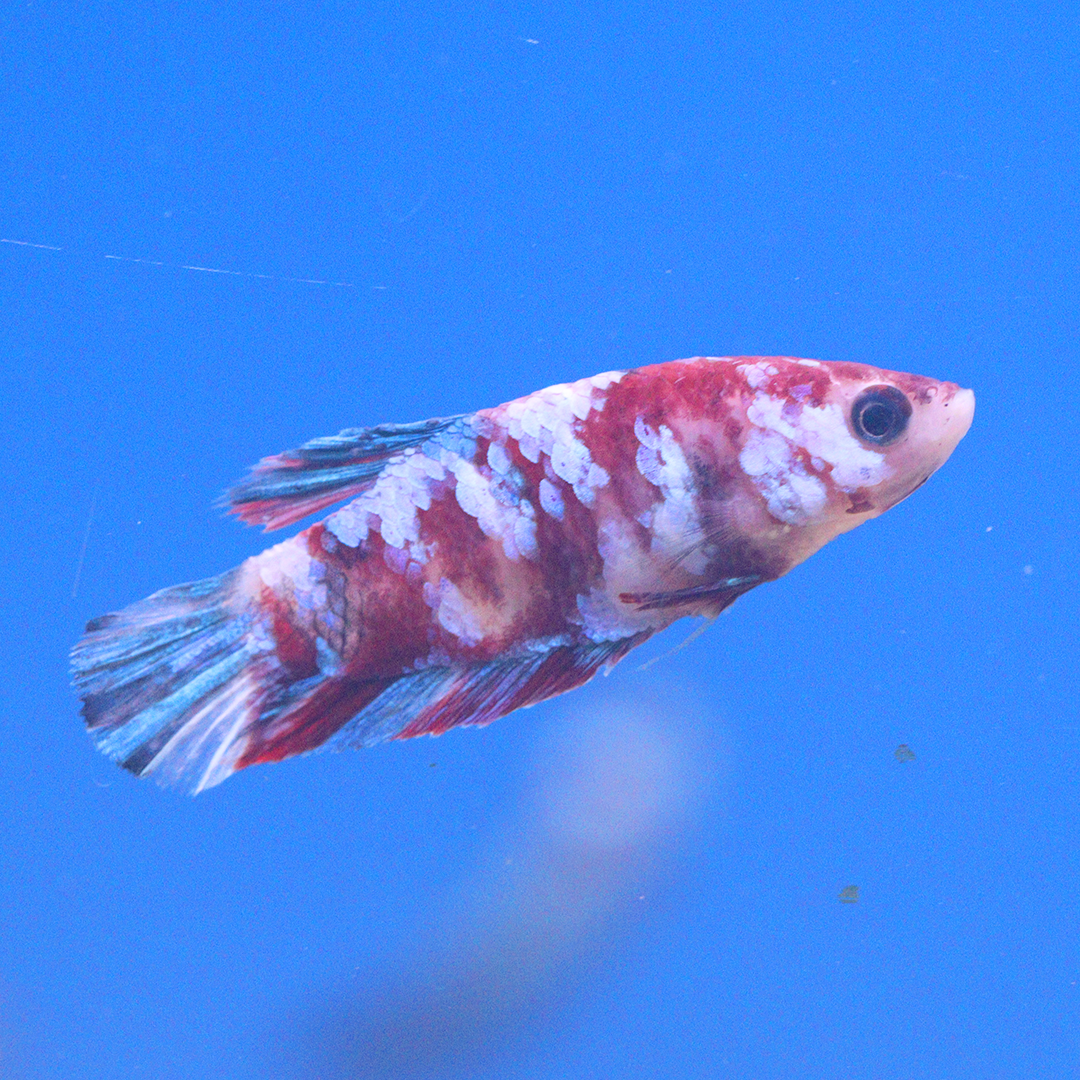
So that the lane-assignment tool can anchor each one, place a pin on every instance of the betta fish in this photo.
(489, 561)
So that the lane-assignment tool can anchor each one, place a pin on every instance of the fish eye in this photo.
(880, 415)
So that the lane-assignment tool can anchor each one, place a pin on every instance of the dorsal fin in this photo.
(287, 487)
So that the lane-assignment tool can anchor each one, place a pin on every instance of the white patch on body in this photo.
(290, 572)
(288, 569)
(498, 459)
(513, 524)
(673, 519)
(603, 619)
(602, 382)
(546, 423)
(791, 494)
(551, 502)
(453, 612)
(400, 491)
(824, 433)
(404, 488)
(786, 423)
(757, 375)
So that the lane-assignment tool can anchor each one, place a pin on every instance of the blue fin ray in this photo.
(286, 487)
(165, 671)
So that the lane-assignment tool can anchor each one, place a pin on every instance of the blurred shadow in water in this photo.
(610, 796)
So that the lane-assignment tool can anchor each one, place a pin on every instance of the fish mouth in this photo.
(911, 491)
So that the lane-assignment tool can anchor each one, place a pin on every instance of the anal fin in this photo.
(435, 700)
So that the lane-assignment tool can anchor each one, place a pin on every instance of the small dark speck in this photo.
(433, 764)
(850, 895)
(904, 753)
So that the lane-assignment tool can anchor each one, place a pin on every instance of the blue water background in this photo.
(515, 195)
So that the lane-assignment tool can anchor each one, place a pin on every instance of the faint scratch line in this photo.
(85, 540)
(211, 269)
(419, 205)
(128, 258)
(26, 243)
(232, 273)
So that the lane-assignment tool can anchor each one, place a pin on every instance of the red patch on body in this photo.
(860, 502)
(295, 649)
(801, 384)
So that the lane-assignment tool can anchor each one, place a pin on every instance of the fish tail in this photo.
(171, 684)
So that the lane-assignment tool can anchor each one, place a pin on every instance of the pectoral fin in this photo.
(726, 591)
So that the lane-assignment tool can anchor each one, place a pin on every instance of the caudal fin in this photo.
(169, 684)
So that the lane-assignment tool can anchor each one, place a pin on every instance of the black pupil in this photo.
(877, 418)
(880, 415)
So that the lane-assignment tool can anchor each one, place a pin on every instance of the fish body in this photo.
(490, 561)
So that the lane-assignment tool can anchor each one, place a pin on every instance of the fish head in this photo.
(827, 446)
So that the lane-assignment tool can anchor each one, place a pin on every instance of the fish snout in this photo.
(957, 413)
